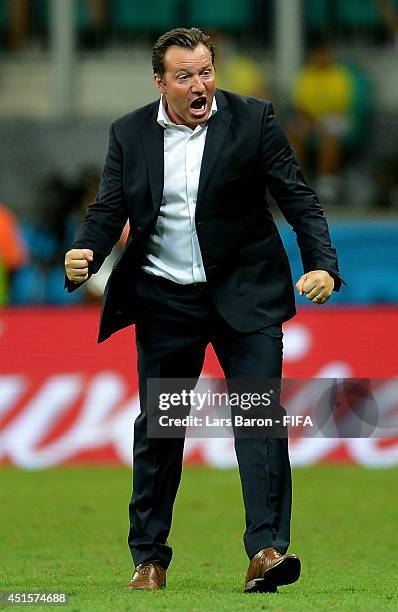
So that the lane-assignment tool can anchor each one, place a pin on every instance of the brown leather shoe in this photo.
(148, 576)
(268, 569)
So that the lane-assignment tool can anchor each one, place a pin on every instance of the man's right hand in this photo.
(76, 264)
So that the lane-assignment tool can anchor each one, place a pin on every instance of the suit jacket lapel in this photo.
(152, 136)
(216, 132)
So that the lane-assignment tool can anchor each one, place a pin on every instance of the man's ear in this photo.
(159, 83)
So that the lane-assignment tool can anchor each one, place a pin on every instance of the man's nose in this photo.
(198, 85)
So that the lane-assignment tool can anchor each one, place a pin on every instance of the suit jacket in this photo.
(246, 153)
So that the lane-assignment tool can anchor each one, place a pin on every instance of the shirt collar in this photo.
(164, 120)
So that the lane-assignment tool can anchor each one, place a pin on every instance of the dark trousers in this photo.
(174, 325)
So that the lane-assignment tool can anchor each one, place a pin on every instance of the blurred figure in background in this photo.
(94, 33)
(12, 251)
(44, 234)
(389, 14)
(95, 285)
(19, 19)
(321, 119)
(23, 14)
(88, 186)
(60, 206)
(238, 71)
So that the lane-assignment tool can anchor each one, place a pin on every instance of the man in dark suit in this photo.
(204, 263)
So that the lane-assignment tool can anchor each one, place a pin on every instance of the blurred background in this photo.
(68, 68)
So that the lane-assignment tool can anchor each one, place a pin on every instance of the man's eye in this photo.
(182, 77)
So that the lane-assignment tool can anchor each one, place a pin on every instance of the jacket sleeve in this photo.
(107, 216)
(297, 201)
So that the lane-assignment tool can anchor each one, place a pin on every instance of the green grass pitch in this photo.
(65, 530)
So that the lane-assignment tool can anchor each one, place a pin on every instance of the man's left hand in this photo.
(317, 285)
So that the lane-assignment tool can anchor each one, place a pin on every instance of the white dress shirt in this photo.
(173, 249)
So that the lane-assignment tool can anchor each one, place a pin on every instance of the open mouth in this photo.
(198, 106)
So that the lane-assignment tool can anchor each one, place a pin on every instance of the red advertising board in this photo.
(66, 399)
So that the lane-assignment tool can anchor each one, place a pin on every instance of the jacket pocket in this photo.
(257, 251)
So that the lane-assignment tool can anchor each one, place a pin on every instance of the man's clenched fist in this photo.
(76, 264)
(317, 285)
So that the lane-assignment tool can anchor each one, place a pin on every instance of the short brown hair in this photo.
(181, 37)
